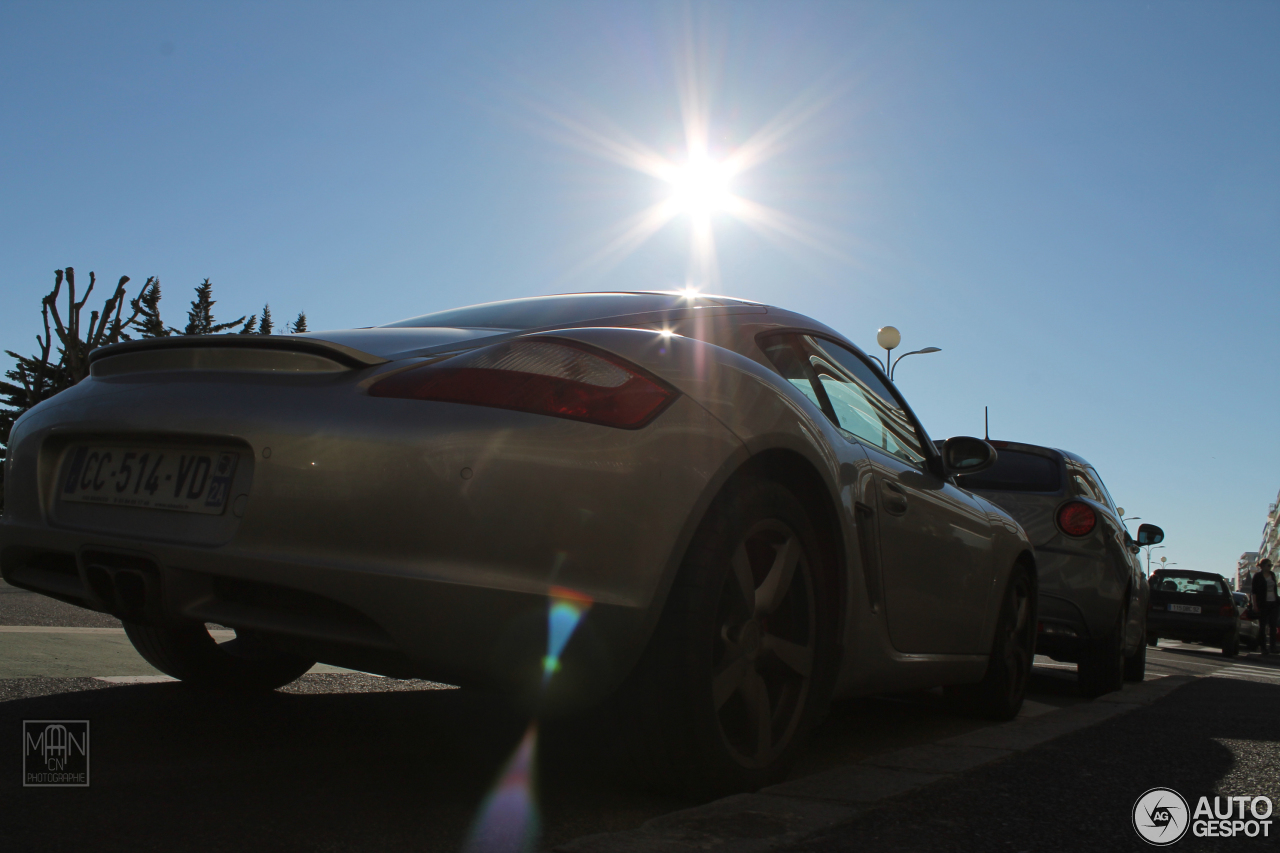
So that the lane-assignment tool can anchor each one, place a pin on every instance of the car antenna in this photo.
(986, 429)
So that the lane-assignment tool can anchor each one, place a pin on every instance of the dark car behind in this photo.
(1195, 607)
(1093, 593)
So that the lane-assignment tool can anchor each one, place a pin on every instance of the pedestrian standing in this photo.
(1267, 605)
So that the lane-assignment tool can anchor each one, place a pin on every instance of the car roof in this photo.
(1190, 573)
(1036, 448)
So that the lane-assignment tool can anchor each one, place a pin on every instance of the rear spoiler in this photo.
(344, 355)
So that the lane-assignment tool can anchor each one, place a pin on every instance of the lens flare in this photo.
(509, 821)
(567, 608)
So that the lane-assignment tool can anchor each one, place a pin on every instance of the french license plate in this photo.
(174, 478)
(1184, 608)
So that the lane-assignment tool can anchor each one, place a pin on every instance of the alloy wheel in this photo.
(763, 661)
(1019, 639)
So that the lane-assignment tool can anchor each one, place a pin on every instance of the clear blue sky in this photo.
(1079, 202)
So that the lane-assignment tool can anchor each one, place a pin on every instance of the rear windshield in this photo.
(1190, 585)
(1016, 471)
(540, 311)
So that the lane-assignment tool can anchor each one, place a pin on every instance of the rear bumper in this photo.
(1082, 589)
(389, 624)
(1063, 632)
(393, 536)
(1190, 627)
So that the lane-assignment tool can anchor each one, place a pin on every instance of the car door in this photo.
(857, 480)
(935, 542)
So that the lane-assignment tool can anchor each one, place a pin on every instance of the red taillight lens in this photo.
(539, 376)
(1077, 519)
(1227, 610)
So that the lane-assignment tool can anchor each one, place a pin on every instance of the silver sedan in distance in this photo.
(702, 517)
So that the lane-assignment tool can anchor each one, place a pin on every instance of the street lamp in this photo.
(889, 337)
(1162, 559)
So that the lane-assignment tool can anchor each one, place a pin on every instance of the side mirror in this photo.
(965, 455)
(1149, 534)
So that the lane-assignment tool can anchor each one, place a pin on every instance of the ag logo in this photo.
(1161, 817)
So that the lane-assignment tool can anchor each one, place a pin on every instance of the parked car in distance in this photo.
(704, 516)
(1250, 630)
(1195, 607)
(1093, 595)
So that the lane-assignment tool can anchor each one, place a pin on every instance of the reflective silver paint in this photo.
(438, 530)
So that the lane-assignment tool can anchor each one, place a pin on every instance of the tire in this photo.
(190, 654)
(1135, 666)
(1101, 671)
(1153, 640)
(1000, 693)
(1232, 646)
(736, 673)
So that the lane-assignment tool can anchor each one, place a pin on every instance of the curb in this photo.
(784, 814)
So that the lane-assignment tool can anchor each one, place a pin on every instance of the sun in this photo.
(700, 187)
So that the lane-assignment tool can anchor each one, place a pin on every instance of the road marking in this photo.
(50, 629)
(36, 651)
(1268, 670)
(1249, 674)
(220, 636)
(134, 679)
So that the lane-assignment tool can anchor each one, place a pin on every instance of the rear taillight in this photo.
(540, 376)
(1077, 518)
(1227, 610)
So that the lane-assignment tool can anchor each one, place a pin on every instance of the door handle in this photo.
(895, 499)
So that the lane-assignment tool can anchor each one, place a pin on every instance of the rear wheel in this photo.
(1232, 647)
(189, 653)
(1153, 640)
(1000, 693)
(734, 676)
(1101, 670)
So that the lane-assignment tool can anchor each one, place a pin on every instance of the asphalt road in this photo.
(1213, 737)
(346, 761)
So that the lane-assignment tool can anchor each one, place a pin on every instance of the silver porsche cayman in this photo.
(741, 516)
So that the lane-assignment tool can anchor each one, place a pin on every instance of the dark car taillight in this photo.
(1077, 518)
(1227, 610)
(540, 376)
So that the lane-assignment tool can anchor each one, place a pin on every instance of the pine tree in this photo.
(265, 327)
(147, 306)
(300, 324)
(250, 326)
(200, 317)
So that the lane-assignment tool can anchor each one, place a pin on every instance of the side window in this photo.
(786, 358)
(1083, 488)
(1101, 487)
(862, 404)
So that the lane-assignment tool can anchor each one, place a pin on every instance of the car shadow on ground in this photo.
(395, 769)
(342, 762)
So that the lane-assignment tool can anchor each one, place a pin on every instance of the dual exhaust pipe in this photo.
(123, 585)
